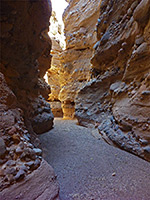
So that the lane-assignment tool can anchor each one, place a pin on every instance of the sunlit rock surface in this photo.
(80, 18)
(54, 72)
(23, 110)
(117, 99)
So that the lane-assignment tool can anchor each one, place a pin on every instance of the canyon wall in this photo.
(79, 18)
(25, 48)
(54, 73)
(23, 42)
(72, 67)
(117, 98)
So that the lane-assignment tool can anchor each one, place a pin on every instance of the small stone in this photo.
(16, 138)
(146, 92)
(139, 40)
(147, 149)
(20, 175)
(129, 12)
(26, 137)
(27, 154)
(144, 142)
(2, 148)
(10, 171)
(37, 151)
(10, 163)
(10, 178)
(19, 150)
(23, 167)
(12, 130)
(85, 108)
(36, 163)
(21, 145)
(114, 174)
(88, 113)
(30, 164)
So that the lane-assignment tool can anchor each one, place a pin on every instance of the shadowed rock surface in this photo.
(87, 168)
(117, 99)
(24, 41)
(23, 110)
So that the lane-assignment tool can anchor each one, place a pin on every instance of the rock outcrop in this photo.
(54, 72)
(23, 111)
(80, 38)
(33, 187)
(23, 42)
(72, 65)
(117, 99)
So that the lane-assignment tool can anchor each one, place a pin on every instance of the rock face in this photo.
(117, 99)
(23, 110)
(80, 38)
(72, 66)
(24, 41)
(54, 73)
(31, 190)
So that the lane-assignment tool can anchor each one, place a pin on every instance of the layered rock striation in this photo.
(54, 72)
(23, 111)
(116, 99)
(23, 43)
(79, 19)
(73, 70)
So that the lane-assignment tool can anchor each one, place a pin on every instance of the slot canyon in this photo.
(75, 100)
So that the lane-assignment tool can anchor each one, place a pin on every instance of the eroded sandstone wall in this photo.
(72, 65)
(54, 72)
(117, 99)
(79, 19)
(23, 110)
(23, 42)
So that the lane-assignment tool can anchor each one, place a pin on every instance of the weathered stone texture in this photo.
(23, 41)
(117, 99)
(33, 186)
(23, 111)
(79, 18)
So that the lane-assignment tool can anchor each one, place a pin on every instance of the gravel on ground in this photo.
(87, 168)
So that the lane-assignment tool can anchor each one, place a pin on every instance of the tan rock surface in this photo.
(117, 100)
(75, 59)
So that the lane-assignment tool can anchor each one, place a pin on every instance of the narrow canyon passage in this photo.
(89, 169)
(89, 61)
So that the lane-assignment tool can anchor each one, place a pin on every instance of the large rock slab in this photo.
(40, 185)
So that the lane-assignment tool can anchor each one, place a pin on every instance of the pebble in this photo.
(147, 149)
(144, 142)
(37, 151)
(20, 175)
(27, 156)
(146, 92)
(2, 148)
(23, 167)
(30, 164)
(12, 130)
(114, 174)
(18, 150)
(10, 171)
(10, 163)
(16, 138)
